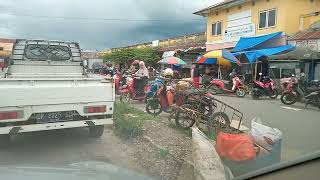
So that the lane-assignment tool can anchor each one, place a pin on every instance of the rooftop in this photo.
(2, 40)
(220, 6)
(306, 35)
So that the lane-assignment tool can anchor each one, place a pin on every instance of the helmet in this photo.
(168, 73)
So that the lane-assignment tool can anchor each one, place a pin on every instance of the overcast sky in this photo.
(100, 24)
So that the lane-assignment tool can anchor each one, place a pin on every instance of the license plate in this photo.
(51, 117)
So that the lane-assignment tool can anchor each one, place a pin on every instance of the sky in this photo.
(101, 24)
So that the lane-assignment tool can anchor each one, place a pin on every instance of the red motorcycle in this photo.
(128, 92)
(221, 86)
(264, 87)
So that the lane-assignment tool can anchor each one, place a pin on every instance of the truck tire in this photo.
(4, 140)
(96, 131)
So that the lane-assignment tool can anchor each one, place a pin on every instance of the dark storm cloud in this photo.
(86, 21)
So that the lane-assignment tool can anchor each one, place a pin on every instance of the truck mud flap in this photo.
(15, 130)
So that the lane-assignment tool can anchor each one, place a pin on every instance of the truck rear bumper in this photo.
(52, 126)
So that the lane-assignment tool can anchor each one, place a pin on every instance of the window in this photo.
(46, 52)
(1, 48)
(267, 18)
(216, 28)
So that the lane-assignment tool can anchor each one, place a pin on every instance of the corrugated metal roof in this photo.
(2, 40)
(306, 35)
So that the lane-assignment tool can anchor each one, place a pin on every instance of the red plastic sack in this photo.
(235, 147)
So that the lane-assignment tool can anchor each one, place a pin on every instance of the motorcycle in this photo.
(128, 92)
(160, 101)
(221, 86)
(297, 91)
(153, 89)
(265, 86)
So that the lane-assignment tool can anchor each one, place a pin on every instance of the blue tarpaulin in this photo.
(253, 55)
(249, 43)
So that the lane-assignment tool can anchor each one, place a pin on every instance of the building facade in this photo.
(231, 19)
(6, 46)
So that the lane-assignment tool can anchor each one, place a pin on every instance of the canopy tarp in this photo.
(298, 53)
(253, 55)
(248, 43)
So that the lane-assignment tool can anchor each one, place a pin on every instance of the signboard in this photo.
(168, 54)
(234, 33)
(312, 44)
(155, 43)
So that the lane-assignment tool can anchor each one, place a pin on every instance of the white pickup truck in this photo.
(46, 87)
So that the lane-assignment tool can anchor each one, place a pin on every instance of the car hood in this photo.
(90, 170)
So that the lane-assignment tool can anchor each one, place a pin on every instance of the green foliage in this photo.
(128, 121)
(150, 55)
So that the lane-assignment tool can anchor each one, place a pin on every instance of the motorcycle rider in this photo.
(167, 88)
(142, 76)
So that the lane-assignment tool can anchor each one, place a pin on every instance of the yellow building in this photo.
(6, 47)
(231, 19)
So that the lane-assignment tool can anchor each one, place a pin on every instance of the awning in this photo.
(249, 43)
(299, 53)
(253, 55)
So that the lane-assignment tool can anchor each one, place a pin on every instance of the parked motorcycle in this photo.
(265, 86)
(153, 89)
(160, 102)
(236, 86)
(128, 92)
(297, 91)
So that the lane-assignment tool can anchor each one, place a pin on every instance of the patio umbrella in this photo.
(172, 60)
(219, 57)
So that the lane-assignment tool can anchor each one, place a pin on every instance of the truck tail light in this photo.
(95, 109)
(8, 115)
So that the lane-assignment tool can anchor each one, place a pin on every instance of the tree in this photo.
(149, 55)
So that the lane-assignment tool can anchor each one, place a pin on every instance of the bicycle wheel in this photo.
(185, 119)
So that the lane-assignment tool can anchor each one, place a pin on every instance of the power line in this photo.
(103, 19)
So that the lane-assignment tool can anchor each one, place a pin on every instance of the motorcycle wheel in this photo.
(241, 92)
(125, 97)
(184, 119)
(153, 108)
(273, 94)
(255, 95)
(214, 89)
(288, 98)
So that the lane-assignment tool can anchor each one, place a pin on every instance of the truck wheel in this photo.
(96, 131)
(4, 140)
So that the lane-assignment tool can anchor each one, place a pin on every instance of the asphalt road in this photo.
(300, 128)
(64, 147)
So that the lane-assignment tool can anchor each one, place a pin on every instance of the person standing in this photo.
(143, 76)
(195, 75)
